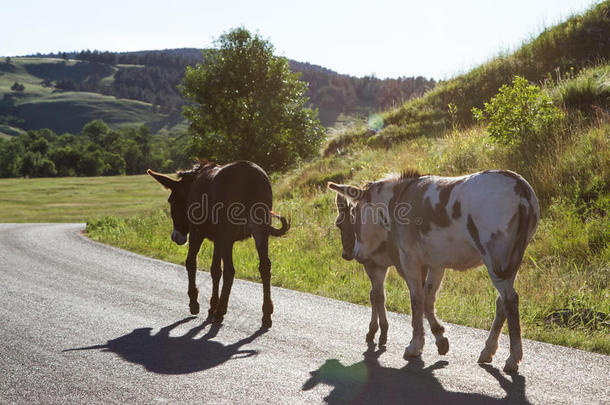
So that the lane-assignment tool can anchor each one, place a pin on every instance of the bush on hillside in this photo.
(18, 87)
(519, 113)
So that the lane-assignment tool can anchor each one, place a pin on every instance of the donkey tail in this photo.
(281, 231)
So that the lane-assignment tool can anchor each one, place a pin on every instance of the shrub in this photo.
(520, 112)
(18, 87)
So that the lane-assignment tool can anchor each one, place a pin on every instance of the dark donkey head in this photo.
(178, 203)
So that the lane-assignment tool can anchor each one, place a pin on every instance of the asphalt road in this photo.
(83, 322)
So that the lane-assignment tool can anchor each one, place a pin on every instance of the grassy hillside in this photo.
(564, 281)
(558, 52)
(51, 111)
(40, 106)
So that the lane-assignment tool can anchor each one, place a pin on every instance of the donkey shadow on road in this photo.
(369, 382)
(164, 354)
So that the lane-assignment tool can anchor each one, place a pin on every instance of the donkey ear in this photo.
(350, 192)
(165, 181)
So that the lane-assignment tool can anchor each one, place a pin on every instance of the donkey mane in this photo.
(409, 173)
(196, 169)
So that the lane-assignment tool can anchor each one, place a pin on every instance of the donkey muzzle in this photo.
(178, 237)
(347, 256)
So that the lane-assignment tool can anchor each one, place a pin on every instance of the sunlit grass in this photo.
(77, 199)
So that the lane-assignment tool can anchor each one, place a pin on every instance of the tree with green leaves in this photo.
(33, 164)
(247, 104)
(520, 113)
(96, 130)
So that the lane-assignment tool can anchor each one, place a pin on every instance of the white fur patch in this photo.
(488, 198)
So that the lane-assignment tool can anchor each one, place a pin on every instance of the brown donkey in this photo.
(224, 204)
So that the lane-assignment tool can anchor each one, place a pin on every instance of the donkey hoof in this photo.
(219, 314)
(511, 366)
(194, 307)
(442, 346)
(485, 357)
(410, 353)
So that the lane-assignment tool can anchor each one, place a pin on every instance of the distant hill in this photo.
(64, 91)
(42, 105)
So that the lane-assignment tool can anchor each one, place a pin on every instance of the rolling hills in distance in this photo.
(64, 91)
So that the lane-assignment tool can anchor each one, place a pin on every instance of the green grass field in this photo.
(77, 199)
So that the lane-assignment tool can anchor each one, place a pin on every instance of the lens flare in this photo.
(375, 122)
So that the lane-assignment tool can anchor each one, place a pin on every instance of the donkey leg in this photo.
(417, 318)
(379, 318)
(261, 241)
(433, 283)
(228, 274)
(215, 272)
(381, 310)
(491, 344)
(371, 271)
(412, 273)
(195, 241)
(511, 308)
(374, 323)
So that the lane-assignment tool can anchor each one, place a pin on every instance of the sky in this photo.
(431, 38)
